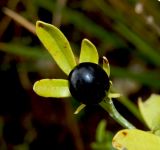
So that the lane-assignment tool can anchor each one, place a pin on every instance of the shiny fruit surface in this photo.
(88, 83)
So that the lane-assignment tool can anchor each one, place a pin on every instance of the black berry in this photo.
(88, 83)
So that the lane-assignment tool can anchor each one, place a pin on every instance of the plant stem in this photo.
(108, 105)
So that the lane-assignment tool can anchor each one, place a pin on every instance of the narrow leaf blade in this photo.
(82, 106)
(88, 52)
(57, 45)
(134, 139)
(101, 131)
(52, 88)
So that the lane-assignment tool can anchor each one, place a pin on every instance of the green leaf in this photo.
(150, 110)
(88, 52)
(106, 65)
(103, 137)
(52, 88)
(101, 134)
(57, 45)
(134, 139)
(80, 107)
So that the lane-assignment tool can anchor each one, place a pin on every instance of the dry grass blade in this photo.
(22, 21)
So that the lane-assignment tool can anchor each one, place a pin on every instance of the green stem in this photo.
(108, 105)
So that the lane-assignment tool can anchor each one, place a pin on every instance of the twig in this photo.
(108, 105)
(21, 20)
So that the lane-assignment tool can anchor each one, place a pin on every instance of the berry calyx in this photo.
(88, 83)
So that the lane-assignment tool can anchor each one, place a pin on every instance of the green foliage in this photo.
(103, 137)
(57, 45)
(52, 88)
(136, 139)
(118, 26)
(49, 34)
(59, 48)
(151, 112)
(88, 52)
(134, 30)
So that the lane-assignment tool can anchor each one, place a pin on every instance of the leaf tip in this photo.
(40, 24)
(79, 108)
(86, 41)
(35, 86)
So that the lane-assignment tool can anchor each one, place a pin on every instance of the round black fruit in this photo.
(88, 83)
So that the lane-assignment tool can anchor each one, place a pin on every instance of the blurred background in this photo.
(127, 32)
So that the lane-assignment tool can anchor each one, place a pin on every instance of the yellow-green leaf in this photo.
(106, 66)
(57, 45)
(82, 106)
(150, 110)
(88, 52)
(52, 88)
(134, 139)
